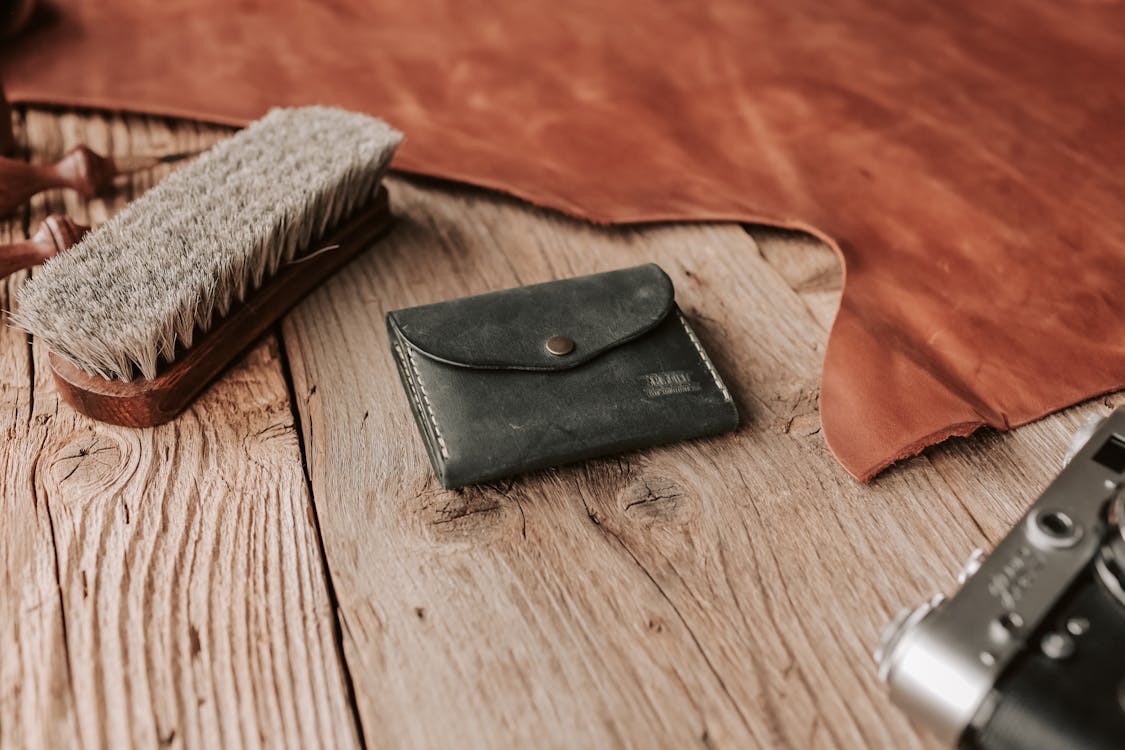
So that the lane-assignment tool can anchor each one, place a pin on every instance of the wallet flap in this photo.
(509, 329)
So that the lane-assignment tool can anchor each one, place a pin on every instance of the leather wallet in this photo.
(537, 376)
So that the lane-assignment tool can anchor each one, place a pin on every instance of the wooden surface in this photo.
(160, 587)
(279, 567)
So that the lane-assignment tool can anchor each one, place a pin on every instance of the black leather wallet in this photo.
(543, 375)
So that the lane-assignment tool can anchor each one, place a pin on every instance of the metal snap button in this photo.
(560, 346)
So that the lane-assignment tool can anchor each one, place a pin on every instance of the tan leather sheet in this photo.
(966, 158)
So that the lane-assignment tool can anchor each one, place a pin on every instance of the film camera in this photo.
(1029, 653)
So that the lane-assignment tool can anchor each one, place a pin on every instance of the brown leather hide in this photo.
(965, 157)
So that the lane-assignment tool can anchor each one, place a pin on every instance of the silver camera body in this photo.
(1024, 652)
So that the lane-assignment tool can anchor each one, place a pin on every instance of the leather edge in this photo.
(427, 430)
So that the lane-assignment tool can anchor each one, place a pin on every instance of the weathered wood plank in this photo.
(724, 592)
(190, 594)
(167, 585)
(34, 671)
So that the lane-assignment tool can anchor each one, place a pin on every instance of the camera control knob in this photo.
(1058, 646)
(971, 566)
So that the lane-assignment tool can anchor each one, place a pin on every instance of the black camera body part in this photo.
(1029, 653)
(1044, 702)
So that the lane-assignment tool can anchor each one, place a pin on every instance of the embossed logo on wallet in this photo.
(669, 383)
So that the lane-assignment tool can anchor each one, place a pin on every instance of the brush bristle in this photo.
(169, 264)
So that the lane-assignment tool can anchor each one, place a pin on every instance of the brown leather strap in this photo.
(7, 137)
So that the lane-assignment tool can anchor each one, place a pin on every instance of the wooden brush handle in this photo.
(81, 169)
(146, 402)
(55, 234)
(7, 136)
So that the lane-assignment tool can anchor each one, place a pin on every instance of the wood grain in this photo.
(34, 670)
(166, 586)
(163, 587)
(724, 592)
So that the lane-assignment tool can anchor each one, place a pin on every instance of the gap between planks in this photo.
(337, 628)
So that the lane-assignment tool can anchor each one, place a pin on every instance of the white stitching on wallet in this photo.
(425, 399)
(408, 377)
(703, 356)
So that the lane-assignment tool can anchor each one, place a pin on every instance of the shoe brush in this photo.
(148, 308)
